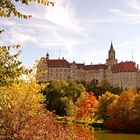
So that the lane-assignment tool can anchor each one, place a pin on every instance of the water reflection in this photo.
(80, 132)
(87, 133)
(105, 135)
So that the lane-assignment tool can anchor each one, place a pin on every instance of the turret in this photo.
(111, 56)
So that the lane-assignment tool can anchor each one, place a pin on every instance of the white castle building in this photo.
(123, 74)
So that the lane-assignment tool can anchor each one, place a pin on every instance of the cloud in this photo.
(134, 4)
(50, 27)
(114, 10)
(78, 30)
(124, 44)
(128, 15)
(63, 14)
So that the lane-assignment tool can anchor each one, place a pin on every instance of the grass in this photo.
(90, 122)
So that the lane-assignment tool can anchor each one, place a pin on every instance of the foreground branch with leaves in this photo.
(8, 8)
(10, 67)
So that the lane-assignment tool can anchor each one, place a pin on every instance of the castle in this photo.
(123, 74)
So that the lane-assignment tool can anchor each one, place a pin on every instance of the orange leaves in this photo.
(124, 104)
(124, 114)
(87, 106)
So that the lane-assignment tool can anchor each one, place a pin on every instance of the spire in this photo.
(47, 55)
(111, 46)
(111, 53)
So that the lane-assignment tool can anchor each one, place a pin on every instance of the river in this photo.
(106, 135)
(89, 133)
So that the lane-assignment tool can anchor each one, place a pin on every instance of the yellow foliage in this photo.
(23, 97)
(19, 103)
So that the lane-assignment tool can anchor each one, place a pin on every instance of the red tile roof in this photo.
(58, 63)
(124, 67)
(128, 66)
(95, 67)
(80, 66)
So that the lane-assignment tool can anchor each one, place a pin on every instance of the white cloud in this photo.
(79, 30)
(63, 14)
(127, 16)
(115, 10)
(134, 4)
(16, 35)
(50, 27)
(124, 44)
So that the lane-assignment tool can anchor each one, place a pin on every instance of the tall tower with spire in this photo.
(111, 56)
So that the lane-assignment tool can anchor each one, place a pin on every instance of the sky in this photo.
(78, 30)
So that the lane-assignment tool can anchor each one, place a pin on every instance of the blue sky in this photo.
(79, 30)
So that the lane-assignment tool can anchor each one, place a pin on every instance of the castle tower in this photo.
(111, 56)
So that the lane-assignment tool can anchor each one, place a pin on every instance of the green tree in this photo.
(69, 106)
(92, 86)
(61, 96)
(74, 90)
(104, 101)
(10, 66)
(54, 93)
(104, 86)
(84, 83)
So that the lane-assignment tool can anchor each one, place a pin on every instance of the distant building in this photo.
(123, 74)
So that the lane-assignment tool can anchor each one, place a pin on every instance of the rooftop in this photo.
(127, 66)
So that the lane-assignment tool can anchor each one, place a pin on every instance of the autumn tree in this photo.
(23, 116)
(18, 104)
(104, 101)
(86, 106)
(136, 106)
(122, 113)
(123, 105)
(42, 70)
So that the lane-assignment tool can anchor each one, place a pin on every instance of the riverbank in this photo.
(89, 122)
(97, 125)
